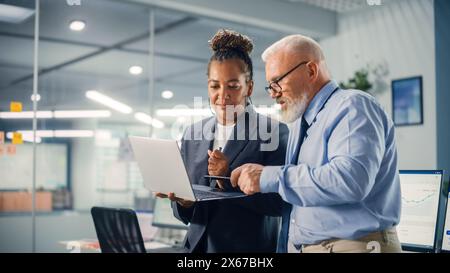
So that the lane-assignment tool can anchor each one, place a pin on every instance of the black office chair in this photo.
(117, 230)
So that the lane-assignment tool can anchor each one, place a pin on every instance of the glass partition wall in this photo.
(106, 70)
(16, 168)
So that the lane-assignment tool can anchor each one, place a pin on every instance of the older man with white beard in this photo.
(340, 176)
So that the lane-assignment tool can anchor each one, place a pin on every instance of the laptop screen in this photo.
(420, 203)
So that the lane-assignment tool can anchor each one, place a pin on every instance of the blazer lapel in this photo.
(204, 145)
(235, 145)
(233, 148)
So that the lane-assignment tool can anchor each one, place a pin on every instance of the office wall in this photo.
(401, 35)
(442, 33)
(442, 21)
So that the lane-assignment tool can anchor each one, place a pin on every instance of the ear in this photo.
(313, 70)
(250, 88)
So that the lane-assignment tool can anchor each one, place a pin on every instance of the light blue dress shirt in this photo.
(345, 184)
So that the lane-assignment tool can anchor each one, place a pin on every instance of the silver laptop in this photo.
(163, 171)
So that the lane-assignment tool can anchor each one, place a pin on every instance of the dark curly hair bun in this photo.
(227, 40)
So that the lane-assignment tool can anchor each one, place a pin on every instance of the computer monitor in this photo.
(446, 232)
(420, 207)
(163, 215)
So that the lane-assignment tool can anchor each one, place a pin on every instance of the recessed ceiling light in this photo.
(38, 97)
(77, 25)
(135, 70)
(167, 94)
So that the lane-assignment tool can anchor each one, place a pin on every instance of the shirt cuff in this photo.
(269, 180)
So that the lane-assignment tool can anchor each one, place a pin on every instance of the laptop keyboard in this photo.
(207, 194)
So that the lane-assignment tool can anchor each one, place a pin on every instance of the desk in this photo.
(92, 246)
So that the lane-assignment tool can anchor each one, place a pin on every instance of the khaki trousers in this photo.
(377, 242)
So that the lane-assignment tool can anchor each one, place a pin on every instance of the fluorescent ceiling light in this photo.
(26, 114)
(103, 135)
(183, 112)
(74, 133)
(25, 137)
(58, 133)
(167, 94)
(206, 112)
(82, 114)
(28, 135)
(266, 110)
(135, 70)
(39, 133)
(143, 117)
(111, 103)
(157, 123)
(57, 114)
(14, 14)
(77, 25)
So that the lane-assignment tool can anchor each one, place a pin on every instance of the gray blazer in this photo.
(248, 224)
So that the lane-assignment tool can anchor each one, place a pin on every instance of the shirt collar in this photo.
(319, 100)
(249, 110)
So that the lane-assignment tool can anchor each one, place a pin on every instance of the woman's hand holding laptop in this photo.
(172, 197)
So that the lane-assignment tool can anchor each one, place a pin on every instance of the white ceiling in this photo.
(89, 59)
(180, 64)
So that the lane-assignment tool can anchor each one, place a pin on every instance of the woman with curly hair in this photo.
(248, 224)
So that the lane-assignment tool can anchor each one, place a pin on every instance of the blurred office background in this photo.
(151, 57)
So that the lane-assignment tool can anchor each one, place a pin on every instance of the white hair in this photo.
(295, 44)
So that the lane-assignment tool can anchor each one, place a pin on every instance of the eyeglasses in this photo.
(274, 86)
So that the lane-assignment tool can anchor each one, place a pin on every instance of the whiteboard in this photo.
(51, 167)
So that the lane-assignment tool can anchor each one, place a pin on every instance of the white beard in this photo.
(294, 109)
